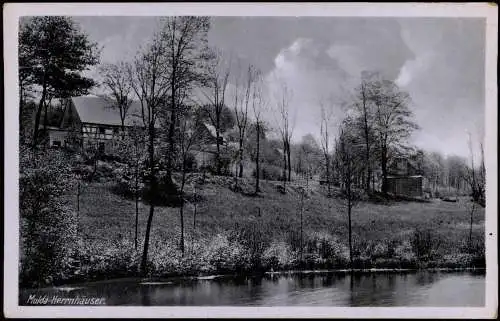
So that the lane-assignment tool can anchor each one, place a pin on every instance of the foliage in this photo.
(53, 53)
(48, 225)
(425, 244)
(269, 172)
(279, 256)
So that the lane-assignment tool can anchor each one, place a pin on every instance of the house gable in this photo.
(101, 111)
(70, 118)
(403, 166)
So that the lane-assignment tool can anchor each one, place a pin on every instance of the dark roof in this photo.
(99, 110)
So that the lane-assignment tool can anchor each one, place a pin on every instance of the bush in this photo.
(425, 244)
(48, 225)
(224, 256)
(329, 250)
(125, 178)
(279, 256)
(251, 235)
(99, 259)
(269, 172)
(191, 163)
(404, 252)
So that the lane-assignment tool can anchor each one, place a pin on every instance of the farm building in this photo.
(404, 178)
(92, 121)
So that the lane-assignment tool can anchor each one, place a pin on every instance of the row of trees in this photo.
(164, 77)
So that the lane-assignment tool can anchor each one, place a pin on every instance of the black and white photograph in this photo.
(245, 160)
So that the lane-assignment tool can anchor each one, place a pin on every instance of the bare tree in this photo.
(326, 117)
(117, 83)
(285, 126)
(162, 76)
(348, 163)
(365, 93)
(476, 177)
(150, 83)
(186, 54)
(259, 105)
(219, 71)
(131, 148)
(188, 137)
(241, 110)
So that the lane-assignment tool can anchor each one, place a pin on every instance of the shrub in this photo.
(98, 259)
(251, 235)
(269, 172)
(125, 178)
(225, 256)
(425, 244)
(404, 252)
(330, 251)
(47, 224)
(278, 256)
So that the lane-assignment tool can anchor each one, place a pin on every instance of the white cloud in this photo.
(310, 73)
(414, 68)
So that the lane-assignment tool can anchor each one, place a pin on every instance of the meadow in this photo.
(238, 232)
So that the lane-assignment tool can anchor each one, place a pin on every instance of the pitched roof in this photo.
(99, 110)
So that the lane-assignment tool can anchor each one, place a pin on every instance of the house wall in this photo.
(57, 136)
(408, 186)
(96, 134)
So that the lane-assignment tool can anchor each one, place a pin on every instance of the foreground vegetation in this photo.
(237, 232)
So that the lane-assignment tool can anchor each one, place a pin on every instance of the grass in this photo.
(239, 232)
(106, 216)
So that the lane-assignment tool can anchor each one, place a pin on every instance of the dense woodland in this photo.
(182, 82)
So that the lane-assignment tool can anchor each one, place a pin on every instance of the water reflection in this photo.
(326, 289)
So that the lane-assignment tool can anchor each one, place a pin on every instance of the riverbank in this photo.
(172, 280)
(234, 232)
(297, 288)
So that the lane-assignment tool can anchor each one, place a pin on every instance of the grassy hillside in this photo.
(231, 235)
(105, 215)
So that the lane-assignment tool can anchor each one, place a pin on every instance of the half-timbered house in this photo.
(93, 121)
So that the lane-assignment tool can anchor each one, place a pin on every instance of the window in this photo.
(102, 130)
(101, 148)
(56, 143)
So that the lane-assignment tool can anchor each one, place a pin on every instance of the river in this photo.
(424, 288)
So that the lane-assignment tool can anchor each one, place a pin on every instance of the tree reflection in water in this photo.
(323, 289)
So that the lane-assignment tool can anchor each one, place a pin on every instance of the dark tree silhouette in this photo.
(54, 51)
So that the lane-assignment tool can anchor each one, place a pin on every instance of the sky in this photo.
(438, 61)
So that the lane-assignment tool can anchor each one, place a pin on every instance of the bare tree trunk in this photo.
(136, 200)
(289, 161)
(39, 113)
(217, 156)
(182, 204)
(152, 195)
(257, 169)
(384, 169)
(146, 240)
(470, 227)
(241, 159)
(349, 209)
(284, 166)
(171, 143)
(367, 141)
(194, 212)
(45, 118)
(301, 226)
(328, 181)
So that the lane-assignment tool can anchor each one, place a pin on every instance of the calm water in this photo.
(327, 289)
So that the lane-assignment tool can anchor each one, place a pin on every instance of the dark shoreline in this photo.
(165, 279)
